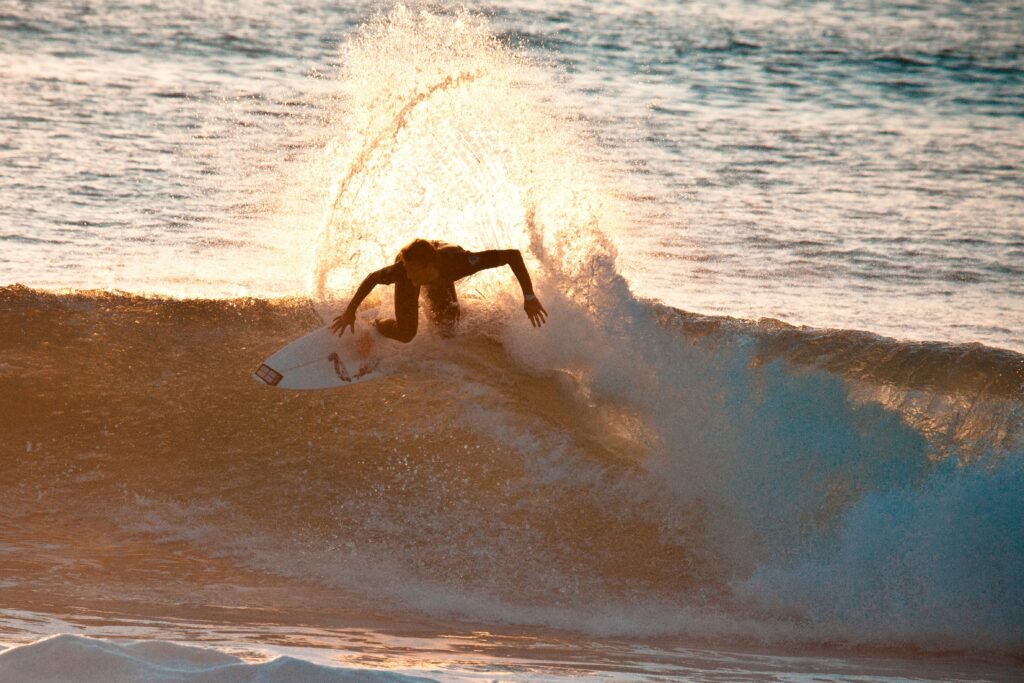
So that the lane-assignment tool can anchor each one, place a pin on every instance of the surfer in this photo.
(435, 266)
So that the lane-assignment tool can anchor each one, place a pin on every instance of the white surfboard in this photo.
(322, 360)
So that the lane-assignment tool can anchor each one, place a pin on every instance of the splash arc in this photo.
(363, 160)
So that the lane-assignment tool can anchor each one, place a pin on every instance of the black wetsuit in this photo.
(454, 263)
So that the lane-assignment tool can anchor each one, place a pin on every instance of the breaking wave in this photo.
(628, 469)
(668, 473)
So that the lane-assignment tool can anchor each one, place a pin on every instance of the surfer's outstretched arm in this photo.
(513, 258)
(348, 317)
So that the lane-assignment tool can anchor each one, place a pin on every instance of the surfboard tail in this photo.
(268, 375)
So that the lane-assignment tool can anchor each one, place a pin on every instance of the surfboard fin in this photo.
(269, 375)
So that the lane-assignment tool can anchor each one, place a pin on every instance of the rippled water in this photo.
(522, 497)
(820, 163)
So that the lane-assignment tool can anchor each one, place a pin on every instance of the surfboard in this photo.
(322, 360)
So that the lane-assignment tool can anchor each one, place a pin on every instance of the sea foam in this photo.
(77, 659)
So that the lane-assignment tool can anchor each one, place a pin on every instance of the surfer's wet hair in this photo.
(418, 251)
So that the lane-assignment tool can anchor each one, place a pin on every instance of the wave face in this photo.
(641, 472)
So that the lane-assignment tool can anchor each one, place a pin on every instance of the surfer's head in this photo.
(421, 262)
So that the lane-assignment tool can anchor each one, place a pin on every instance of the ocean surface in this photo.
(772, 430)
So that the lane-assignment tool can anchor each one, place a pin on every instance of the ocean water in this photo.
(772, 430)
(820, 163)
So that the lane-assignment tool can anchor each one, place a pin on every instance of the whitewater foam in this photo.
(78, 659)
(628, 469)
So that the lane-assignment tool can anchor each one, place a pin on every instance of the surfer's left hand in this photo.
(536, 312)
(346, 319)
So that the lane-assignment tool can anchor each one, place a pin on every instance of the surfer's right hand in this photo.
(346, 319)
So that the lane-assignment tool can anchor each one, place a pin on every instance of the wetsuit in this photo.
(454, 263)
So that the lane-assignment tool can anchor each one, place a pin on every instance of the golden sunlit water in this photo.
(670, 480)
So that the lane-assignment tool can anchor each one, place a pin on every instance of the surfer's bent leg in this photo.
(407, 313)
(444, 307)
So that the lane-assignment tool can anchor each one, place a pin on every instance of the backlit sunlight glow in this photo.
(449, 134)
